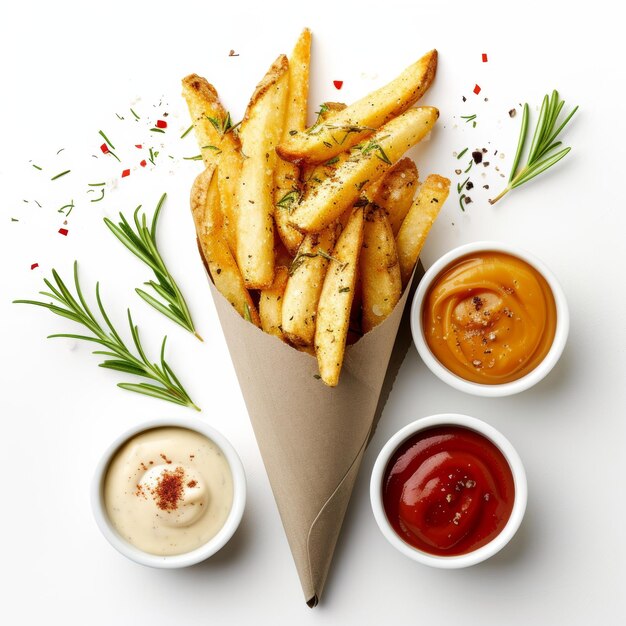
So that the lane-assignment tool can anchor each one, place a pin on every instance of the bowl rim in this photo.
(490, 433)
(498, 389)
(177, 560)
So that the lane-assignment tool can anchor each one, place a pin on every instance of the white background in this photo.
(67, 68)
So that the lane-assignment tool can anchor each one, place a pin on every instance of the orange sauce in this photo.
(489, 317)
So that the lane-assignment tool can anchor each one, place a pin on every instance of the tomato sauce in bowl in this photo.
(448, 491)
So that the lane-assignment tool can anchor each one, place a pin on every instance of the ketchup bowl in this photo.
(489, 319)
(448, 491)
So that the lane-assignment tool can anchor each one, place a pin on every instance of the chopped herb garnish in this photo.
(154, 129)
(290, 199)
(61, 174)
(344, 290)
(460, 187)
(96, 184)
(377, 148)
(332, 161)
(107, 140)
(135, 114)
(119, 117)
(461, 197)
(197, 157)
(69, 206)
(460, 154)
(187, 132)
(37, 167)
(246, 312)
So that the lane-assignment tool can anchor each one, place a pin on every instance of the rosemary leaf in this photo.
(140, 239)
(167, 386)
(541, 155)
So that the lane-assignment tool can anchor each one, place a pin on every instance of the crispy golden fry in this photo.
(305, 285)
(418, 222)
(354, 124)
(260, 131)
(218, 145)
(287, 175)
(333, 312)
(326, 202)
(271, 303)
(380, 271)
(394, 192)
(207, 216)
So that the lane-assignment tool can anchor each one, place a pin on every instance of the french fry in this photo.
(394, 192)
(218, 145)
(259, 133)
(271, 303)
(418, 222)
(379, 269)
(333, 312)
(208, 220)
(347, 128)
(304, 286)
(287, 175)
(327, 201)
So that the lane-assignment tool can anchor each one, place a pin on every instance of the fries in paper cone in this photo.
(316, 246)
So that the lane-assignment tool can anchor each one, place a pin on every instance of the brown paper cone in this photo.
(312, 437)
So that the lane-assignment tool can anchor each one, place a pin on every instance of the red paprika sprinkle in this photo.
(143, 163)
(476, 89)
(104, 148)
(338, 84)
(125, 173)
(169, 489)
(34, 265)
(485, 57)
(161, 124)
(63, 231)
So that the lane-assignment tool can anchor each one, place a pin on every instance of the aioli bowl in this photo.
(519, 481)
(497, 389)
(179, 560)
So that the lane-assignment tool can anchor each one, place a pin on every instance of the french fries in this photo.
(340, 200)
(394, 192)
(355, 123)
(333, 311)
(271, 304)
(304, 286)
(287, 175)
(366, 163)
(381, 285)
(218, 145)
(207, 216)
(418, 222)
(260, 131)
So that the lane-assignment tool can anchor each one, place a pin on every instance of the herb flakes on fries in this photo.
(312, 233)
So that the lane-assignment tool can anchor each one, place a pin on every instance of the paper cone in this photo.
(311, 437)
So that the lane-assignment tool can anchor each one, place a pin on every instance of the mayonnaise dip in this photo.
(168, 490)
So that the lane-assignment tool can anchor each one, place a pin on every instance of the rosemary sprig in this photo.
(168, 386)
(541, 155)
(142, 243)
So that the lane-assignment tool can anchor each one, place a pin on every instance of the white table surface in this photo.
(67, 68)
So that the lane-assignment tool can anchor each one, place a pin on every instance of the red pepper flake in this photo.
(34, 266)
(476, 89)
(485, 57)
(338, 84)
(104, 148)
(125, 173)
(63, 231)
(138, 145)
(161, 124)
(143, 163)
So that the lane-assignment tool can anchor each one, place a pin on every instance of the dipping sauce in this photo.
(489, 318)
(168, 490)
(448, 491)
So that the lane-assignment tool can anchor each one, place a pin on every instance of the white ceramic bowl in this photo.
(178, 560)
(482, 553)
(502, 389)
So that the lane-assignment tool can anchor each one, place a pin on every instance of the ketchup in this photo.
(448, 491)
